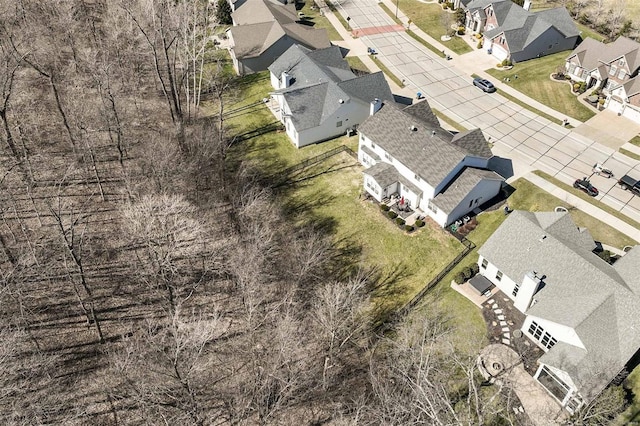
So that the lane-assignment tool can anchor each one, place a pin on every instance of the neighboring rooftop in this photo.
(592, 53)
(460, 186)
(321, 81)
(260, 11)
(598, 300)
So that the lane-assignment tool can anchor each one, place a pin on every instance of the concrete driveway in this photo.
(609, 129)
(530, 141)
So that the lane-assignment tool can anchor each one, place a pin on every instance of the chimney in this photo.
(526, 5)
(285, 80)
(531, 283)
(375, 106)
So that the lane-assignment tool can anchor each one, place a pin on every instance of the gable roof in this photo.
(321, 82)
(426, 151)
(522, 27)
(460, 186)
(599, 301)
(592, 53)
(260, 11)
(255, 39)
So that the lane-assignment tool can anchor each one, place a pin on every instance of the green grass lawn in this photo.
(313, 18)
(387, 71)
(533, 80)
(357, 64)
(620, 237)
(431, 19)
(425, 43)
(329, 194)
(635, 140)
(629, 154)
(632, 414)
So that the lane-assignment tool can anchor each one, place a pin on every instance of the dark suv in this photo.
(485, 85)
(584, 185)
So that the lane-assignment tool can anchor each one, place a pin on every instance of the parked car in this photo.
(485, 85)
(600, 170)
(629, 183)
(584, 185)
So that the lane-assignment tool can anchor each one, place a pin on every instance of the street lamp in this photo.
(397, 9)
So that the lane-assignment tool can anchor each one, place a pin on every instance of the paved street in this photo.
(531, 141)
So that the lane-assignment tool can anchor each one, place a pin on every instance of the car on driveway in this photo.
(584, 185)
(485, 85)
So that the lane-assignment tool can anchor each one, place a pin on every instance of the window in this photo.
(339, 123)
(621, 62)
(373, 145)
(584, 74)
(538, 333)
(417, 178)
(485, 263)
(516, 289)
(572, 68)
(470, 203)
(613, 70)
(622, 74)
(388, 157)
(499, 276)
(432, 207)
(362, 138)
(551, 46)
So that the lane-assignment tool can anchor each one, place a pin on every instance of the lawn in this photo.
(629, 154)
(534, 81)
(329, 194)
(635, 140)
(357, 64)
(431, 19)
(632, 414)
(313, 18)
(621, 239)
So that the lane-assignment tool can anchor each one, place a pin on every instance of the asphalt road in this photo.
(531, 141)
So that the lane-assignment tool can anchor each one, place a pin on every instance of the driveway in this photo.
(609, 129)
(530, 141)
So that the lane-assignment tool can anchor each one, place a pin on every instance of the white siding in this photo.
(506, 284)
(485, 190)
(560, 332)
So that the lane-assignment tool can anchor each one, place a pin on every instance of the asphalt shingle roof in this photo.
(599, 301)
(426, 151)
(460, 186)
(592, 53)
(260, 11)
(321, 82)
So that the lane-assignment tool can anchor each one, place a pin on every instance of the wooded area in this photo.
(148, 280)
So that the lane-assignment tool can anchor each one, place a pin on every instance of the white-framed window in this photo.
(432, 207)
(516, 289)
(621, 62)
(339, 123)
(613, 70)
(572, 67)
(388, 157)
(484, 264)
(362, 138)
(499, 276)
(373, 145)
(584, 74)
(622, 74)
(417, 178)
(537, 332)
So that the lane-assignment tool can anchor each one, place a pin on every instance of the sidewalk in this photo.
(585, 206)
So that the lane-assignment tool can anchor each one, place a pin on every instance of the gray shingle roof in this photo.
(383, 173)
(460, 186)
(253, 40)
(426, 151)
(259, 11)
(522, 27)
(581, 291)
(632, 87)
(473, 142)
(592, 53)
(320, 79)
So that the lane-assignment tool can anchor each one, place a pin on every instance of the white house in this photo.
(319, 97)
(582, 311)
(407, 153)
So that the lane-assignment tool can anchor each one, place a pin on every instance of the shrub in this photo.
(408, 228)
(601, 101)
(576, 87)
(466, 271)
(460, 30)
(583, 87)
(459, 278)
(419, 223)
(445, 6)
(475, 268)
(480, 44)
(392, 214)
(384, 207)
(506, 63)
(399, 221)
(450, 5)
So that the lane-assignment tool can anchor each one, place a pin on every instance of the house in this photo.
(407, 153)
(580, 310)
(612, 67)
(263, 30)
(318, 95)
(512, 32)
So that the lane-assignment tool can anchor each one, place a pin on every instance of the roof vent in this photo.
(340, 101)
(542, 238)
(413, 128)
(433, 133)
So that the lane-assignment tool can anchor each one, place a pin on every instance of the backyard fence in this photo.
(397, 316)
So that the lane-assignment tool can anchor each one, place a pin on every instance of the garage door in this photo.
(632, 113)
(614, 105)
(499, 52)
